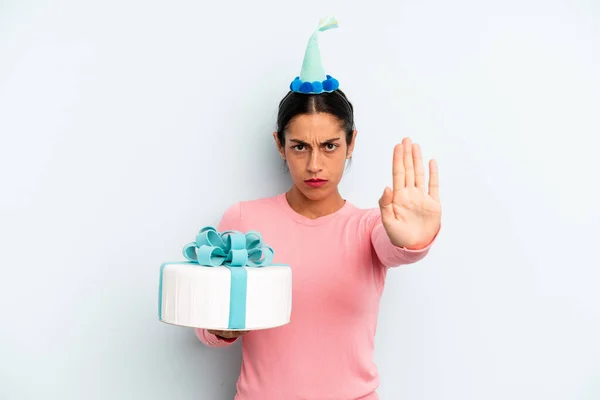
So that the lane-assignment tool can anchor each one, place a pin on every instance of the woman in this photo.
(340, 255)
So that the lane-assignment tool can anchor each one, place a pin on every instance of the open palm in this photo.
(410, 214)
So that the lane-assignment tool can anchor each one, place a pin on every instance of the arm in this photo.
(410, 217)
(231, 220)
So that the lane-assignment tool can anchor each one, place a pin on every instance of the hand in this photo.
(411, 216)
(227, 334)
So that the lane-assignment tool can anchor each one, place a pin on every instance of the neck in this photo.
(314, 208)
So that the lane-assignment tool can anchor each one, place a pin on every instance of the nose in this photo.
(314, 162)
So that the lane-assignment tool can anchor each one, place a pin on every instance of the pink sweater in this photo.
(339, 264)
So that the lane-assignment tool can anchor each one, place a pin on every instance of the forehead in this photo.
(313, 126)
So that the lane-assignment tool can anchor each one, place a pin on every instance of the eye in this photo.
(298, 147)
(330, 146)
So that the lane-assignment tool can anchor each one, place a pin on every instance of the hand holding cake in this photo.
(227, 334)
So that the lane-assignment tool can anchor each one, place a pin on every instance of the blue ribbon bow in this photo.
(233, 250)
(230, 249)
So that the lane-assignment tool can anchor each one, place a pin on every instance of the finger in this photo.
(434, 184)
(409, 168)
(226, 334)
(419, 170)
(385, 204)
(398, 168)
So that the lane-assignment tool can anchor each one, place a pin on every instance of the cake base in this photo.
(197, 296)
(258, 328)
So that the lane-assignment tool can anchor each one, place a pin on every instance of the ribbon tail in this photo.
(237, 297)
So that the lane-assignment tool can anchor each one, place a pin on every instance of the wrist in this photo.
(417, 246)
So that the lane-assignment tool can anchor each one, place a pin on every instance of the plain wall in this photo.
(126, 126)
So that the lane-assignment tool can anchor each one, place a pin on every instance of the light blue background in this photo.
(128, 125)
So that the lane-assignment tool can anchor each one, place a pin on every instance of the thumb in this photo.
(385, 203)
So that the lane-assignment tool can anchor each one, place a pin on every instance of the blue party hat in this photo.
(312, 78)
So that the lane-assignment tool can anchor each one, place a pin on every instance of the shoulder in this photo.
(237, 214)
(252, 206)
(366, 218)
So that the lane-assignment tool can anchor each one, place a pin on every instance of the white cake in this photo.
(227, 283)
(198, 296)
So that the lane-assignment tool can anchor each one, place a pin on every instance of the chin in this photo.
(316, 194)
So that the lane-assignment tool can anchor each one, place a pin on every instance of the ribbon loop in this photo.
(230, 249)
(210, 256)
(237, 258)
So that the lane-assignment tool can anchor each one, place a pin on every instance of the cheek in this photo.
(337, 157)
(334, 163)
(295, 162)
(338, 164)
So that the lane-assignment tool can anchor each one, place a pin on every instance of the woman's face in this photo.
(316, 153)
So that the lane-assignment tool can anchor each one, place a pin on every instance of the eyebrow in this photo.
(326, 141)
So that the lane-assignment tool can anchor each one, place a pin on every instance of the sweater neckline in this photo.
(282, 200)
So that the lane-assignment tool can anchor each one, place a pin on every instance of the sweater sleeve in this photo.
(231, 220)
(390, 255)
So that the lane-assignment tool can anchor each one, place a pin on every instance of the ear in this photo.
(280, 148)
(351, 147)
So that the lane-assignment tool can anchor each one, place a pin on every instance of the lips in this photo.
(315, 182)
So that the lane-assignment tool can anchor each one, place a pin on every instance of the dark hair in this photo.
(335, 103)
